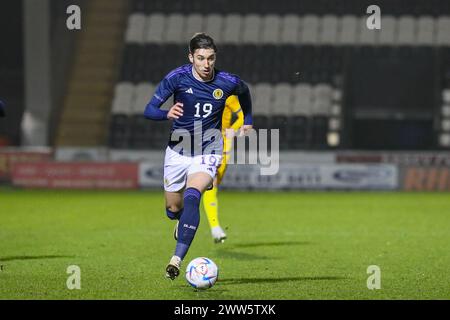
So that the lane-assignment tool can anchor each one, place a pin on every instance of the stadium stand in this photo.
(85, 113)
(296, 63)
(297, 57)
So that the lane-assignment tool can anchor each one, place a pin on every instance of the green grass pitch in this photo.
(282, 245)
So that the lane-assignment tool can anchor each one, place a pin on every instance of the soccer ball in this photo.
(202, 273)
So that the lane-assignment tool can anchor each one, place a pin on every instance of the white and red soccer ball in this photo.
(201, 273)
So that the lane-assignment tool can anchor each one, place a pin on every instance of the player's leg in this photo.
(189, 221)
(211, 205)
(210, 199)
(174, 208)
(175, 174)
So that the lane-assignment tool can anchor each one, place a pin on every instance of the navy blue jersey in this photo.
(203, 104)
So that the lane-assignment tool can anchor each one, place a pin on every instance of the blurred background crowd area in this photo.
(315, 70)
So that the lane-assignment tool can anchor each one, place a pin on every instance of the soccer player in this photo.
(200, 92)
(210, 200)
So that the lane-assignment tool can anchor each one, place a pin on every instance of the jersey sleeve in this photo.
(245, 100)
(163, 91)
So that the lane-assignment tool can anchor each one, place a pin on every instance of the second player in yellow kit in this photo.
(210, 201)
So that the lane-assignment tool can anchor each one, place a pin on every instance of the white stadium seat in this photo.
(214, 26)
(349, 30)
(263, 98)
(445, 110)
(135, 32)
(322, 97)
(445, 125)
(425, 31)
(232, 29)
(329, 29)
(302, 99)
(290, 28)
(123, 98)
(143, 93)
(155, 28)
(194, 24)
(387, 34)
(174, 32)
(444, 140)
(309, 33)
(446, 95)
(282, 98)
(366, 36)
(251, 28)
(406, 30)
(443, 31)
(271, 29)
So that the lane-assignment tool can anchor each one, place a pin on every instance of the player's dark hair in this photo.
(201, 41)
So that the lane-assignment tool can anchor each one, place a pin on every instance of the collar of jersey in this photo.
(192, 72)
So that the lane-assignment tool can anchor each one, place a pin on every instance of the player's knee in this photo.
(173, 214)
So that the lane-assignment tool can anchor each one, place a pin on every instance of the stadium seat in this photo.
(194, 24)
(446, 95)
(302, 100)
(309, 33)
(425, 31)
(263, 98)
(349, 30)
(143, 93)
(406, 30)
(334, 124)
(136, 28)
(271, 26)
(155, 28)
(290, 28)
(329, 29)
(123, 98)
(283, 99)
(232, 29)
(366, 36)
(445, 110)
(445, 125)
(174, 29)
(214, 26)
(442, 29)
(387, 34)
(251, 31)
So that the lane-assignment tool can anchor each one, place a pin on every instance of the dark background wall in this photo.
(11, 68)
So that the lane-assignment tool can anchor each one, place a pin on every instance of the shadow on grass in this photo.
(229, 251)
(225, 253)
(276, 280)
(270, 244)
(13, 258)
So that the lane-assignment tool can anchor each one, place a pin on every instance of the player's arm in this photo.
(239, 121)
(164, 90)
(245, 100)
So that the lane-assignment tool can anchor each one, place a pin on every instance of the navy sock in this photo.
(174, 215)
(189, 221)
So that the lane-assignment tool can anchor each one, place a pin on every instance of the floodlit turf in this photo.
(282, 245)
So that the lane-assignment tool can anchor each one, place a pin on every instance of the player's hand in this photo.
(245, 129)
(176, 111)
